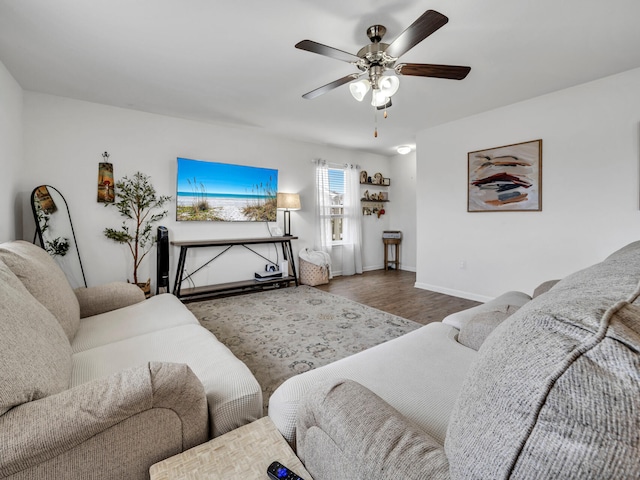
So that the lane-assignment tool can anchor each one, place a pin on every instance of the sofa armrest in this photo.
(346, 431)
(35, 433)
(104, 298)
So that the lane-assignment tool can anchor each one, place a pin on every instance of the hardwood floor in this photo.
(393, 291)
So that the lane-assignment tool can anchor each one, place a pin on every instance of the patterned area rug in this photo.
(281, 333)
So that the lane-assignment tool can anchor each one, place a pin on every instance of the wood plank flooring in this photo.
(393, 291)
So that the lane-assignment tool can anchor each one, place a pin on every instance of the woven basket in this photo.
(312, 274)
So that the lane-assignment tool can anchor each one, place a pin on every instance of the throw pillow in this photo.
(45, 280)
(474, 332)
(34, 351)
(544, 287)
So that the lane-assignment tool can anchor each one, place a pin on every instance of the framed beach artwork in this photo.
(223, 192)
(505, 179)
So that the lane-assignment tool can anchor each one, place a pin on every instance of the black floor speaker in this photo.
(162, 279)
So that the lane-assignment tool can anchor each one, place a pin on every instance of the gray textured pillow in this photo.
(45, 280)
(474, 332)
(544, 287)
(34, 352)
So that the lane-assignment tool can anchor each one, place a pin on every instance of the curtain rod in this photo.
(320, 161)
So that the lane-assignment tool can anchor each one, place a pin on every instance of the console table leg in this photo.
(180, 271)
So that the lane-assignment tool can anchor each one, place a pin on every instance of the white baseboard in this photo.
(452, 292)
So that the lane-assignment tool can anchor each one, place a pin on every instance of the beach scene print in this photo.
(223, 192)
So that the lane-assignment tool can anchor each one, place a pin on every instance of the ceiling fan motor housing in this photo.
(376, 32)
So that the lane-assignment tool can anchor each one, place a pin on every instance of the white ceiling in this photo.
(235, 63)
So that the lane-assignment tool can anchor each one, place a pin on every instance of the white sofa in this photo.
(107, 395)
(430, 359)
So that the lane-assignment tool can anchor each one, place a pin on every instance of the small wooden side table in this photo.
(244, 453)
(388, 241)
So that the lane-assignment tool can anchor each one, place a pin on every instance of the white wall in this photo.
(10, 156)
(403, 206)
(64, 140)
(590, 191)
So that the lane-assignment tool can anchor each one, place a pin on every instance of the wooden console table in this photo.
(231, 287)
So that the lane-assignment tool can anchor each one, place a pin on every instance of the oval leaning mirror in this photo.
(55, 232)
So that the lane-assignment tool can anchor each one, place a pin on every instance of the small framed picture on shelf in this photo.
(363, 176)
(386, 182)
(383, 196)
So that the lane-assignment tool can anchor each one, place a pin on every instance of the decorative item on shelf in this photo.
(363, 176)
(383, 196)
(137, 200)
(377, 179)
(386, 182)
(366, 195)
(106, 192)
(288, 202)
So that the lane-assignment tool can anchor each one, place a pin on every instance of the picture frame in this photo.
(507, 178)
(386, 182)
(225, 192)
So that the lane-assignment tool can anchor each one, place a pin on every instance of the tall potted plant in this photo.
(136, 201)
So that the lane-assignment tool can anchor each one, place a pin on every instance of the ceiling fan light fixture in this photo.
(359, 89)
(378, 98)
(389, 85)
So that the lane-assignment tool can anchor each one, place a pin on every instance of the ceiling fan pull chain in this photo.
(375, 122)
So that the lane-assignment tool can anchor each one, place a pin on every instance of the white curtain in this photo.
(352, 223)
(323, 208)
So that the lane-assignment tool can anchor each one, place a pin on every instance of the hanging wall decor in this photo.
(106, 191)
(505, 178)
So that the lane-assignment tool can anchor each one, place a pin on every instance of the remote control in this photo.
(277, 471)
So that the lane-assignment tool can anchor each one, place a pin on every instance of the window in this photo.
(336, 191)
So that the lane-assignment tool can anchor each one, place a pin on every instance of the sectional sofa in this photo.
(97, 383)
(553, 391)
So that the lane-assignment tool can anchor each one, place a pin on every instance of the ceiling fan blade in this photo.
(315, 47)
(429, 22)
(453, 72)
(330, 86)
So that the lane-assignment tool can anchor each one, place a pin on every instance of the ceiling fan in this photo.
(378, 61)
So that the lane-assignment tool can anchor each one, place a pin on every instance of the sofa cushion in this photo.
(35, 354)
(430, 359)
(475, 331)
(157, 313)
(557, 385)
(44, 279)
(458, 319)
(234, 395)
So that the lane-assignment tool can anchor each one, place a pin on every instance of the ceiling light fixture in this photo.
(403, 149)
(359, 89)
(383, 88)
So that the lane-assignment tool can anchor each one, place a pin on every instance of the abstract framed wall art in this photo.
(505, 179)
